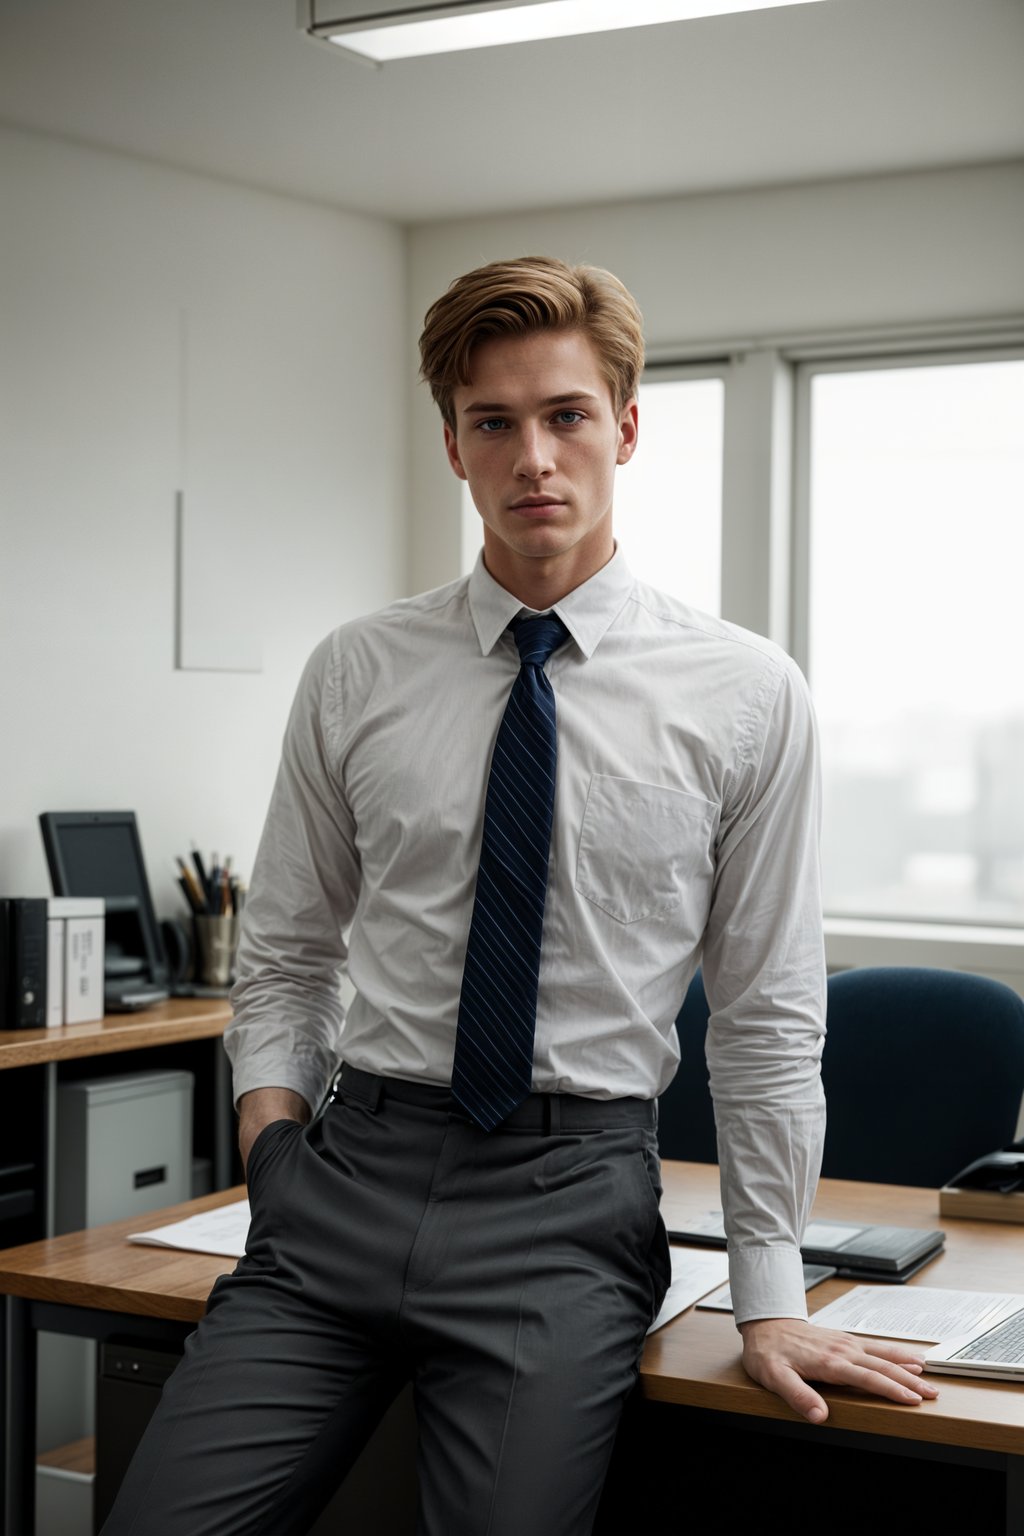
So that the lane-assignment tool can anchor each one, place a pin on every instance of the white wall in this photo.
(161, 330)
(742, 267)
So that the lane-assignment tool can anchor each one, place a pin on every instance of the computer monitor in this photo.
(99, 853)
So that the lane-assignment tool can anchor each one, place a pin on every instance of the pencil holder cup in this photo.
(216, 945)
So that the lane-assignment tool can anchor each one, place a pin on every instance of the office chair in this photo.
(686, 1116)
(923, 1072)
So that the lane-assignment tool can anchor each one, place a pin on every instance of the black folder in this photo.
(859, 1251)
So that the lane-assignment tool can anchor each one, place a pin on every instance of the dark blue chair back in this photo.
(923, 1071)
(686, 1116)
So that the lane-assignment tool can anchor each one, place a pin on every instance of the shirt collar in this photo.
(587, 612)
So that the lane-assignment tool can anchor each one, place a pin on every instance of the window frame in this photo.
(990, 949)
(766, 555)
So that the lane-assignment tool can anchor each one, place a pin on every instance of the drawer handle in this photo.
(146, 1176)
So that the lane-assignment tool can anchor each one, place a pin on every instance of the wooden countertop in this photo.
(182, 1018)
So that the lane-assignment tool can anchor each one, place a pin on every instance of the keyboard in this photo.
(1004, 1343)
(128, 998)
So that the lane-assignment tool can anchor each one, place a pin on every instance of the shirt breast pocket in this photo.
(641, 846)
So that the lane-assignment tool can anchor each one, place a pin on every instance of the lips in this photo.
(539, 508)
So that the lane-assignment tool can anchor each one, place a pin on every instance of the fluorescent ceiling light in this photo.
(413, 30)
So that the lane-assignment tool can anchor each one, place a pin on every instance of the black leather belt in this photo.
(545, 1112)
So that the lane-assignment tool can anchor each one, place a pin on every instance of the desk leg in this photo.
(1014, 1495)
(20, 1420)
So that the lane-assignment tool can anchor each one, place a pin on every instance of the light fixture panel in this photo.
(383, 30)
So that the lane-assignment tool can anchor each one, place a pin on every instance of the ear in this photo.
(629, 430)
(451, 448)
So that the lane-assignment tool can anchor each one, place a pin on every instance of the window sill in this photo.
(995, 952)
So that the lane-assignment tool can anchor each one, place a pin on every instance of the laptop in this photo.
(994, 1350)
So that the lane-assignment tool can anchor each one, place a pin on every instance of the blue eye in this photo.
(574, 415)
(492, 424)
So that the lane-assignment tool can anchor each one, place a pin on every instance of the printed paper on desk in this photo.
(222, 1231)
(920, 1312)
(694, 1273)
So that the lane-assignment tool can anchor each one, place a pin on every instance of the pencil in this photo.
(195, 896)
(204, 883)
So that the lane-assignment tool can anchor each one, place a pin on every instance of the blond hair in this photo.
(531, 293)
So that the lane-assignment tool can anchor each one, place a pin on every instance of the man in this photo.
(476, 1209)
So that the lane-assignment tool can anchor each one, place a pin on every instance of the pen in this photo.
(193, 895)
(197, 860)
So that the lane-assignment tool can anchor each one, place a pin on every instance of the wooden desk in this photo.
(695, 1360)
(181, 1018)
(32, 1059)
(96, 1284)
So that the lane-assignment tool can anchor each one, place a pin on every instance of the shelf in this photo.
(79, 1456)
(166, 1024)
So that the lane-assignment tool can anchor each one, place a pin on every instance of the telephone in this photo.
(1002, 1172)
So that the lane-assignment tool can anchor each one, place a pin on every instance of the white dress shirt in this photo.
(686, 832)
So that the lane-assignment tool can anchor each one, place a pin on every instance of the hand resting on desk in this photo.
(786, 1354)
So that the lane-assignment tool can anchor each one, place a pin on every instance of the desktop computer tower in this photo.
(23, 978)
(123, 1148)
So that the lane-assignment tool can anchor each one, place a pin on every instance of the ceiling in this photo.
(808, 92)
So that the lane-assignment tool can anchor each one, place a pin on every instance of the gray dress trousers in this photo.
(510, 1275)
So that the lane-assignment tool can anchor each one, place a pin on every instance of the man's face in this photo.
(538, 438)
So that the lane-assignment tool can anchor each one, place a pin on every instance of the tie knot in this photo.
(536, 638)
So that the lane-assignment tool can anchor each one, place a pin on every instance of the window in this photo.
(915, 643)
(668, 498)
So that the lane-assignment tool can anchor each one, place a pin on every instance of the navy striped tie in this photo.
(497, 1010)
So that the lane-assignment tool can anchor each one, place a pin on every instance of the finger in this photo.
(903, 1374)
(897, 1353)
(904, 1365)
(852, 1366)
(801, 1397)
(882, 1385)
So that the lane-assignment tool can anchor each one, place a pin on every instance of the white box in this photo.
(75, 928)
(54, 971)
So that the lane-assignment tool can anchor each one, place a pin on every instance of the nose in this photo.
(534, 458)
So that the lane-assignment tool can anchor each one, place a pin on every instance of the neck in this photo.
(540, 583)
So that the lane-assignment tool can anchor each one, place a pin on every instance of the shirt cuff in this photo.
(301, 1077)
(767, 1282)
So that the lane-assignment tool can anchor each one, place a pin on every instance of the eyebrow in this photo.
(497, 407)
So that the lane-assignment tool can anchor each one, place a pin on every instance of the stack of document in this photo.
(857, 1251)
